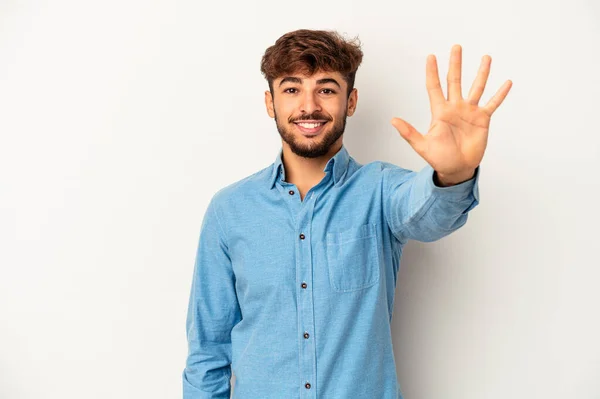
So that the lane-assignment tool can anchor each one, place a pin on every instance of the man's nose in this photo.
(310, 103)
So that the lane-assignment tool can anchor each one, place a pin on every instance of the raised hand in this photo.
(458, 133)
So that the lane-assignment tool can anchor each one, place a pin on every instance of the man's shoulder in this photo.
(383, 167)
(243, 186)
(382, 172)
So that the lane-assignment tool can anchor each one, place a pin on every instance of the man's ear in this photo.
(269, 103)
(352, 102)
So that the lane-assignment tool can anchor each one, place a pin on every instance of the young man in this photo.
(296, 268)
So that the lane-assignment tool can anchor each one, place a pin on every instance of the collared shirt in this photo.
(295, 297)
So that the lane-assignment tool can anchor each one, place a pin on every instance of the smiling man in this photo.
(323, 117)
(296, 266)
(310, 95)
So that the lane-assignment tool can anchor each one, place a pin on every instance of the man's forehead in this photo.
(318, 75)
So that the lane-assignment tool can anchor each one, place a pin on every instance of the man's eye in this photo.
(328, 91)
(288, 90)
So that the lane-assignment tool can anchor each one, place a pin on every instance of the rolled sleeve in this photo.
(415, 208)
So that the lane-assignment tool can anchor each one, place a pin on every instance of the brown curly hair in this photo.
(307, 51)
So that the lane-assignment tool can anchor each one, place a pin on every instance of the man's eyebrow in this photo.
(328, 80)
(292, 79)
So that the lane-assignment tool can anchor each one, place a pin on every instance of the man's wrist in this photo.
(452, 180)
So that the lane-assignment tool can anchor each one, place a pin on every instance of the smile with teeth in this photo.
(310, 125)
(310, 128)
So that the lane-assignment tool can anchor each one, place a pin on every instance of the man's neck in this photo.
(306, 172)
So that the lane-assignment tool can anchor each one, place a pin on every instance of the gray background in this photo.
(120, 119)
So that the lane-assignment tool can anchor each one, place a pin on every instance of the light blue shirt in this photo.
(296, 296)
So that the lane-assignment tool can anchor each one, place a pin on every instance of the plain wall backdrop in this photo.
(120, 119)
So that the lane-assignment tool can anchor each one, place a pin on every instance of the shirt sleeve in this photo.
(213, 310)
(415, 208)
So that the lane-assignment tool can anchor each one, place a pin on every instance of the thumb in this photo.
(409, 133)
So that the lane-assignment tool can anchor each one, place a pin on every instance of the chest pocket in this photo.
(352, 258)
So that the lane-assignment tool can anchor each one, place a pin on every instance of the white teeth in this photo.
(310, 125)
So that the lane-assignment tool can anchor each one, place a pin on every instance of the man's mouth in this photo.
(310, 128)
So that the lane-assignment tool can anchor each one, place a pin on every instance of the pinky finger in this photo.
(500, 95)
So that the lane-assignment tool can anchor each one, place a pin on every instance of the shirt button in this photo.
(306, 335)
(302, 236)
(303, 285)
(307, 385)
(291, 192)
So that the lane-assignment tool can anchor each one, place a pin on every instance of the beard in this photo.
(318, 146)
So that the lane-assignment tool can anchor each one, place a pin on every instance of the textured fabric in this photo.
(289, 292)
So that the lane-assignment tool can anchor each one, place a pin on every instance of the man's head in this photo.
(311, 79)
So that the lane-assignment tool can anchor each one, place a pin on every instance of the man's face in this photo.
(310, 111)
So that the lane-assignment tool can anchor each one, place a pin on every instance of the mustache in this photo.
(313, 116)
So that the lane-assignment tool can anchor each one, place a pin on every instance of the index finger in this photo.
(432, 82)
(500, 95)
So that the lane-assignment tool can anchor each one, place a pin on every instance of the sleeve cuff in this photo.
(456, 193)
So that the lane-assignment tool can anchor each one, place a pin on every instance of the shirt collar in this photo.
(338, 163)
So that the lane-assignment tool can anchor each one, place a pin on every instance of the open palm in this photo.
(458, 133)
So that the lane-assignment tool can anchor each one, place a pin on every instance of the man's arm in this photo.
(213, 310)
(416, 208)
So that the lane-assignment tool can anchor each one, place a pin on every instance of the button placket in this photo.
(305, 297)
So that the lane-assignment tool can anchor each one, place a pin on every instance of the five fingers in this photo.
(434, 89)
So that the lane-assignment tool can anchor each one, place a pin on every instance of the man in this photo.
(296, 268)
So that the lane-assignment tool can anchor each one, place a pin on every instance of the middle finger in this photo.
(454, 74)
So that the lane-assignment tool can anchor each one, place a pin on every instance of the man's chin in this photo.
(308, 146)
(310, 150)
